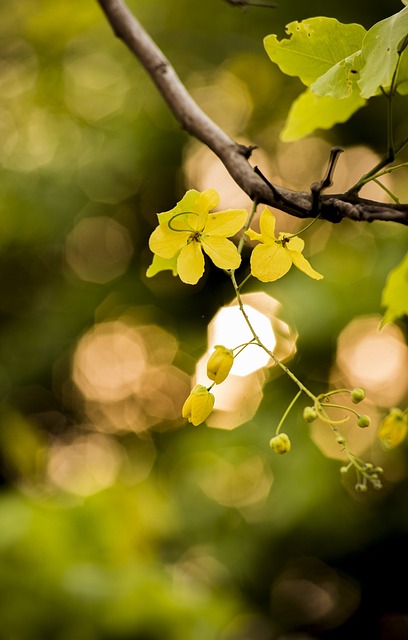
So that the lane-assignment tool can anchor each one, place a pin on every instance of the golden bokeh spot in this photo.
(126, 378)
(99, 249)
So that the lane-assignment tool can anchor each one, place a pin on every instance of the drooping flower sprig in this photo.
(188, 232)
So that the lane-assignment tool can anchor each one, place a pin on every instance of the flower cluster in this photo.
(189, 232)
(189, 229)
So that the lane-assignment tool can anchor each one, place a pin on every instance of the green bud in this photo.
(280, 443)
(343, 470)
(363, 421)
(309, 414)
(360, 487)
(341, 440)
(357, 395)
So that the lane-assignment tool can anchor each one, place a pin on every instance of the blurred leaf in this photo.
(310, 111)
(23, 446)
(395, 293)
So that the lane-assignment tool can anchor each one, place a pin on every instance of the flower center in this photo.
(195, 237)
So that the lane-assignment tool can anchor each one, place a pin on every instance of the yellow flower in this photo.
(393, 429)
(188, 229)
(219, 364)
(198, 405)
(273, 257)
(280, 443)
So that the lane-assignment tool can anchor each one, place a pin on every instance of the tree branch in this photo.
(235, 157)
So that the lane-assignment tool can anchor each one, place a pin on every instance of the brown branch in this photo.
(234, 156)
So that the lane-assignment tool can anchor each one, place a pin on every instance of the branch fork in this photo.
(235, 157)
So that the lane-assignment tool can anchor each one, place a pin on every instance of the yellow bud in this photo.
(280, 443)
(220, 363)
(198, 405)
(393, 429)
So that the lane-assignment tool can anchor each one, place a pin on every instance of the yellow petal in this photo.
(193, 200)
(294, 244)
(393, 429)
(225, 223)
(165, 242)
(301, 263)
(190, 263)
(270, 262)
(162, 264)
(208, 200)
(253, 235)
(222, 252)
(267, 225)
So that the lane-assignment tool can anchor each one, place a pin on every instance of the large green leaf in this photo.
(380, 53)
(402, 78)
(310, 111)
(395, 293)
(341, 79)
(314, 46)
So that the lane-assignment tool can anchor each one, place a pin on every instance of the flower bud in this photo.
(219, 364)
(357, 395)
(309, 414)
(280, 443)
(198, 405)
(393, 429)
(363, 421)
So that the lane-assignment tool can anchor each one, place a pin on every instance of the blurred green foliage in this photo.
(174, 532)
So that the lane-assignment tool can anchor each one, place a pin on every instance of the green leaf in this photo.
(310, 111)
(340, 80)
(380, 53)
(395, 293)
(402, 77)
(314, 46)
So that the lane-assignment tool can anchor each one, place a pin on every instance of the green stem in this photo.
(390, 169)
(241, 347)
(293, 235)
(260, 343)
(340, 406)
(392, 150)
(246, 227)
(285, 415)
(387, 191)
(245, 280)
